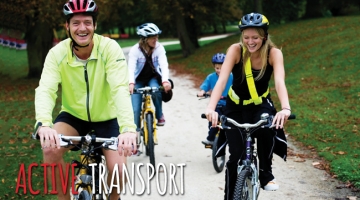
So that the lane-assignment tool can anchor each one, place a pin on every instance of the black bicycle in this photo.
(247, 185)
(218, 161)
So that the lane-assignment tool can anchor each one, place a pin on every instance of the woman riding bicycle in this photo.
(252, 62)
(148, 66)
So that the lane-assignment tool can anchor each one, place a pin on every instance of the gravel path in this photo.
(180, 143)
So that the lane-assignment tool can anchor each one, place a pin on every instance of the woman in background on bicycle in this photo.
(148, 66)
(252, 62)
(93, 75)
(208, 85)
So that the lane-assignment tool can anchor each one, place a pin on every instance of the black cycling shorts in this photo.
(105, 129)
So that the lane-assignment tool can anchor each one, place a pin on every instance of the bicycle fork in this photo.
(250, 162)
(146, 110)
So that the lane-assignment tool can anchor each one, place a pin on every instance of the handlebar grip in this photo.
(292, 116)
(204, 116)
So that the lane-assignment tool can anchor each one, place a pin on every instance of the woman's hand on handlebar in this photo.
(212, 116)
(48, 137)
(127, 144)
(281, 118)
(131, 88)
(167, 86)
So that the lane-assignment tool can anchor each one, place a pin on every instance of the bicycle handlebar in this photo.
(207, 95)
(148, 89)
(264, 118)
(108, 143)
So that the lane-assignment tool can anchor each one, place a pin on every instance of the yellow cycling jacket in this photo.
(104, 96)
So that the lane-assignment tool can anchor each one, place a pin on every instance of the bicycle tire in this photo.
(243, 188)
(150, 143)
(84, 195)
(218, 162)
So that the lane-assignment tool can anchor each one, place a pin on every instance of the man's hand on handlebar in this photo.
(48, 137)
(127, 144)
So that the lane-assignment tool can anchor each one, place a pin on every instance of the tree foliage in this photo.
(185, 19)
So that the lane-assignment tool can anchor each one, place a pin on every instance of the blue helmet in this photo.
(218, 58)
(254, 20)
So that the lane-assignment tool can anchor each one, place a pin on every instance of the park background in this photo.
(319, 40)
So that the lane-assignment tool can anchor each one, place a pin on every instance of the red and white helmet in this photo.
(80, 6)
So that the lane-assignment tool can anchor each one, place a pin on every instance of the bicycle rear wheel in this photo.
(243, 187)
(218, 162)
(150, 143)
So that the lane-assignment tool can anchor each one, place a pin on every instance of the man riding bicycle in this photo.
(93, 74)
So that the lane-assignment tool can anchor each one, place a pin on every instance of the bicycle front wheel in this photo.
(218, 162)
(84, 195)
(243, 187)
(150, 142)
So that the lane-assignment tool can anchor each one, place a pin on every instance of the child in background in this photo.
(208, 85)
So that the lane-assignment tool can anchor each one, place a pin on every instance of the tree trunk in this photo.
(215, 28)
(187, 46)
(39, 40)
(192, 31)
(224, 26)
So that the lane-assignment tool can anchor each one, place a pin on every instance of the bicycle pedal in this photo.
(207, 145)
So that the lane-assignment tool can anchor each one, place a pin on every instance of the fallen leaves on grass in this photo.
(319, 165)
(350, 186)
(341, 153)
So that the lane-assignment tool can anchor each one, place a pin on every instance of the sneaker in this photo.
(161, 121)
(207, 142)
(271, 186)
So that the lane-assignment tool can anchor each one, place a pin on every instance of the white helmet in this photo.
(147, 30)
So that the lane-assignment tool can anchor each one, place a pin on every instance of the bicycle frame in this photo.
(250, 163)
(85, 174)
(88, 156)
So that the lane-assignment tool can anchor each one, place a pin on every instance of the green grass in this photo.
(321, 59)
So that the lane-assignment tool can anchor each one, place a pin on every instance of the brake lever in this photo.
(113, 146)
(269, 122)
(223, 120)
(64, 143)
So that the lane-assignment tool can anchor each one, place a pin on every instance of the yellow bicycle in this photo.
(147, 120)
